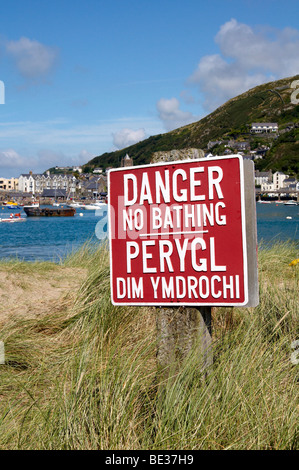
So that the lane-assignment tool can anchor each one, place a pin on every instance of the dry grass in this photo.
(83, 374)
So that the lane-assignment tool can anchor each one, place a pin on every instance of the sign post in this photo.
(183, 234)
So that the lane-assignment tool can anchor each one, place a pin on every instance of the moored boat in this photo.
(76, 205)
(290, 203)
(33, 204)
(49, 212)
(11, 205)
(95, 206)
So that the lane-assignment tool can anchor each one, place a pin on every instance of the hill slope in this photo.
(270, 102)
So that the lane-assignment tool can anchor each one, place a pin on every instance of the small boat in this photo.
(21, 219)
(10, 204)
(14, 218)
(50, 212)
(95, 206)
(91, 207)
(290, 203)
(76, 205)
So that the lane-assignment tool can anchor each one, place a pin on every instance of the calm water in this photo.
(53, 238)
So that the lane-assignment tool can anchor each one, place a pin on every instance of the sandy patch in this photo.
(36, 292)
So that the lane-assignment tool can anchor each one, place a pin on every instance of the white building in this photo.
(36, 183)
(278, 182)
(267, 187)
(27, 183)
(261, 177)
(264, 127)
(278, 179)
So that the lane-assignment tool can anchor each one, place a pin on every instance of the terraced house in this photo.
(36, 183)
(264, 127)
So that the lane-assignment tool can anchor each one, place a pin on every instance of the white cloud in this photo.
(247, 58)
(270, 50)
(171, 114)
(14, 162)
(10, 159)
(126, 137)
(32, 58)
(219, 80)
(84, 156)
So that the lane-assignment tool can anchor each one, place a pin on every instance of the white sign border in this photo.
(243, 220)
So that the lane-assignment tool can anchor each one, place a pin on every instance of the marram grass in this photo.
(85, 376)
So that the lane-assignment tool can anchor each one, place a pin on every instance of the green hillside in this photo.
(270, 102)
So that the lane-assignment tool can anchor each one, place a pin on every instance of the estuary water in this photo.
(52, 239)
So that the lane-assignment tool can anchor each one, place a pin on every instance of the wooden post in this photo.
(181, 330)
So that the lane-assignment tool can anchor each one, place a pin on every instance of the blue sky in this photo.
(84, 78)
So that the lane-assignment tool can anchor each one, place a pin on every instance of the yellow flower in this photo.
(294, 262)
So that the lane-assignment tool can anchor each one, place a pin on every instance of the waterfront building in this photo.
(278, 179)
(27, 183)
(268, 187)
(261, 177)
(93, 186)
(277, 182)
(290, 182)
(36, 183)
(9, 184)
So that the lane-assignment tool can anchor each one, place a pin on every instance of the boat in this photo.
(50, 212)
(76, 205)
(21, 219)
(11, 205)
(33, 204)
(91, 207)
(95, 206)
(290, 203)
(14, 218)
